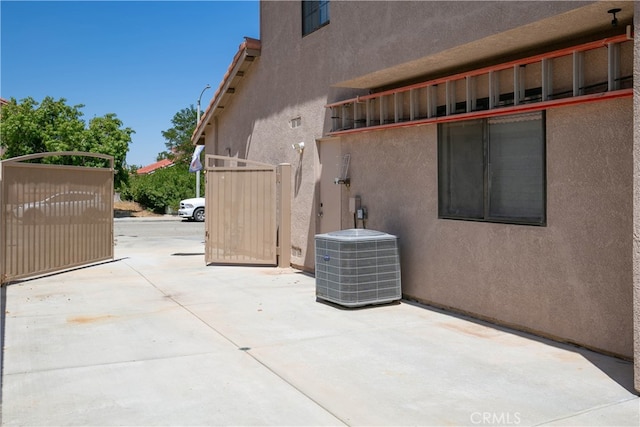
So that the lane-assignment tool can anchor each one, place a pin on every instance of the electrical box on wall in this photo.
(354, 204)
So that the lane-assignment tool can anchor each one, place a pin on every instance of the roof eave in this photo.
(247, 52)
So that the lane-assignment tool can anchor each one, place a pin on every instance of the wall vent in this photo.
(296, 122)
(357, 267)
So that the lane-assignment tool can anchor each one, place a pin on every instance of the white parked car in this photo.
(192, 209)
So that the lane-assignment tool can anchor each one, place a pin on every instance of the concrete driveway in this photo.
(158, 338)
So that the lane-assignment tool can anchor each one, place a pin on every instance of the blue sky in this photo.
(143, 61)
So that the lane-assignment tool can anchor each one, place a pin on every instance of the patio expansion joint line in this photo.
(185, 308)
(236, 345)
(586, 411)
(267, 367)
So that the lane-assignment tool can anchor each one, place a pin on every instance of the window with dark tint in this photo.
(315, 14)
(493, 169)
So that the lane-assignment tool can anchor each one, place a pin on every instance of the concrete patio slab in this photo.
(158, 338)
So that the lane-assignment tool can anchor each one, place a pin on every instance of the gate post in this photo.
(283, 172)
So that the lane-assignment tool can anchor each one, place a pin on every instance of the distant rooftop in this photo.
(154, 167)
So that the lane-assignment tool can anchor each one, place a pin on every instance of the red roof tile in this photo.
(154, 166)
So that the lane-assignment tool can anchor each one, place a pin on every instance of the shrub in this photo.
(162, 188)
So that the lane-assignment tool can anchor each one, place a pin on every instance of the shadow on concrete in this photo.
(616, 368)
(57, 273)
(358, 308)
(188, 254)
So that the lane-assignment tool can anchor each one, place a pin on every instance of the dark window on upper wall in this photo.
(315, 14)
(493, 169)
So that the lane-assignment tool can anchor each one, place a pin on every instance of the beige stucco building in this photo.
(426, 98)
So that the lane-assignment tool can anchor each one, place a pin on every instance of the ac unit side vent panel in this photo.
(357, 267)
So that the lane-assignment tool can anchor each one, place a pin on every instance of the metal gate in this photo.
(248, 212)
(54, 217)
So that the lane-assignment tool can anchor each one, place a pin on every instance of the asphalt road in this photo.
(156, 228)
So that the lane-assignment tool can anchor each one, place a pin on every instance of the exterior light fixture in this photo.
(614, 21)
(298, 146)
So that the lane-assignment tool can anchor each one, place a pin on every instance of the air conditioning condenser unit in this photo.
(357, 267)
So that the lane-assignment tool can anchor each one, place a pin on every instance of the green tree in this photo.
(161, 189)
(30, 127)
(178, 137)
(165, 188)
(27, 128)
(105, 135)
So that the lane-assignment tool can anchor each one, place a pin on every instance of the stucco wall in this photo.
(375, 36)
(636, 197)
(571, 279)
(295, 77)
(289, 80)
